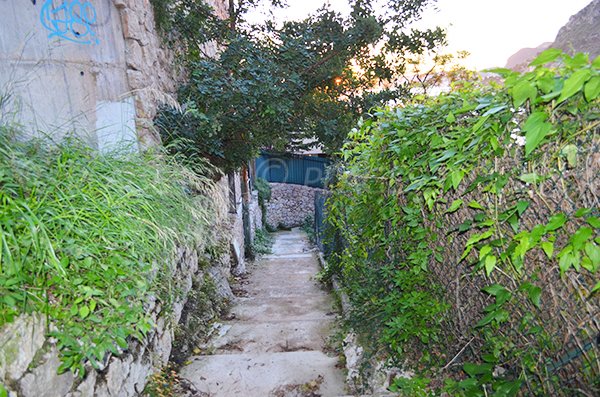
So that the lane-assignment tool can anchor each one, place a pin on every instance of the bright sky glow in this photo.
(491, 30)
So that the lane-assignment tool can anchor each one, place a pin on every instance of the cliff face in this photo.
(582, 32)
(521, 58)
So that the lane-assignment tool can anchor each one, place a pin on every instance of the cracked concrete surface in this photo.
(274, 343)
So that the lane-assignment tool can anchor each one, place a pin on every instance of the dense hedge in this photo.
(470, 229)
(86, 238)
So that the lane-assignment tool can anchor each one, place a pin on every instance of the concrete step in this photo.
(272, 337)
(264, 375)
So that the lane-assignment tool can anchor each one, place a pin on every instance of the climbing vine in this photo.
(481, 205)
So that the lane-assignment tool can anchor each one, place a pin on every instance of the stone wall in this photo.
(151, 66)
(235, 222)
(107, 91)
(290, 204)
(62, 80)
(255, 215)
(29, 360)
(103, 82)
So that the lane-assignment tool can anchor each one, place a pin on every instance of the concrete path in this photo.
(274, 344)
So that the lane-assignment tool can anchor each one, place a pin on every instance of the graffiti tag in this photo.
(71, 20)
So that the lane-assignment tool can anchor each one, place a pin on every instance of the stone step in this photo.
(271, 337)
(267, 374)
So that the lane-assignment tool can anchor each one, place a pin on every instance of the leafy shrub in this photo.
(264, 195)
(309, 227)
(87, 238)
(488, 194)
(263, 242)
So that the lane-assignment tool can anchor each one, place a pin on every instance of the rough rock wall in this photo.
(582, 32)
(97, 69)
(290, 204)
(255, 215)
(152, 70)
(29, 360)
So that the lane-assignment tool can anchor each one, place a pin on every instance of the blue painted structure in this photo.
(290, 168)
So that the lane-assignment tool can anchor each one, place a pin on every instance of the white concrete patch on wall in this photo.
(60, 60)
(115, 126)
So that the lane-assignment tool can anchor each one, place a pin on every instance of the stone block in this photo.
(43, 380)
(118, 371)
(136, 79)
(20, 341)
(134, 55)
(132, 28)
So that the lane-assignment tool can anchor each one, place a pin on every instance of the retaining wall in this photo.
(290, 204)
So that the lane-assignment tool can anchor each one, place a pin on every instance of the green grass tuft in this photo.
(87, 238)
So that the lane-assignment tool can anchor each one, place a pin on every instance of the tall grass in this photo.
(87, 238)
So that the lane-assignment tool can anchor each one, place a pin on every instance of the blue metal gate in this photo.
(289, 168)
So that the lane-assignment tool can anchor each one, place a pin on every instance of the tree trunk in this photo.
(249, 252)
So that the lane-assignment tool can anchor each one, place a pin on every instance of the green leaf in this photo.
(570, 152)
(478, 237)
(556, 222)
(582, 212)
(3, 391)
(121, 342)
(580, 237)
(454, 206)
(490, 264)
(593, 222)
(508, 388)
(484, 251)
(549, 55)
(417, 184)
(496, 109)
(84, 311)
(548, 248)
(548, 97)
(456, 177)
(498, 315)
(478, 369)
(536, 128)
(477, 126)
(523, 91)
(596, 62)
(522, 206)
(596, 288)
(534, 293)
(513, 221)
(531, 178)
(592, 89)
(494, 289)
(568, 258)
(450, 118)
(474, 204)
(593, 252)
(574, 84)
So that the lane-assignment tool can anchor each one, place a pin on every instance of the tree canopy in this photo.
(274, 84)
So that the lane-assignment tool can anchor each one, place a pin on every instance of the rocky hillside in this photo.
(582, 32)
(525, 55)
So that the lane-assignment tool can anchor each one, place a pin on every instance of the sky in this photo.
(491, 30)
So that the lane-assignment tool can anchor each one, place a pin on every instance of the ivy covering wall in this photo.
(470, 234)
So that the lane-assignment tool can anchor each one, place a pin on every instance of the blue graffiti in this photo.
(71, 20)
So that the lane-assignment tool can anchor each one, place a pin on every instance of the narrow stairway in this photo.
(274, 344)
